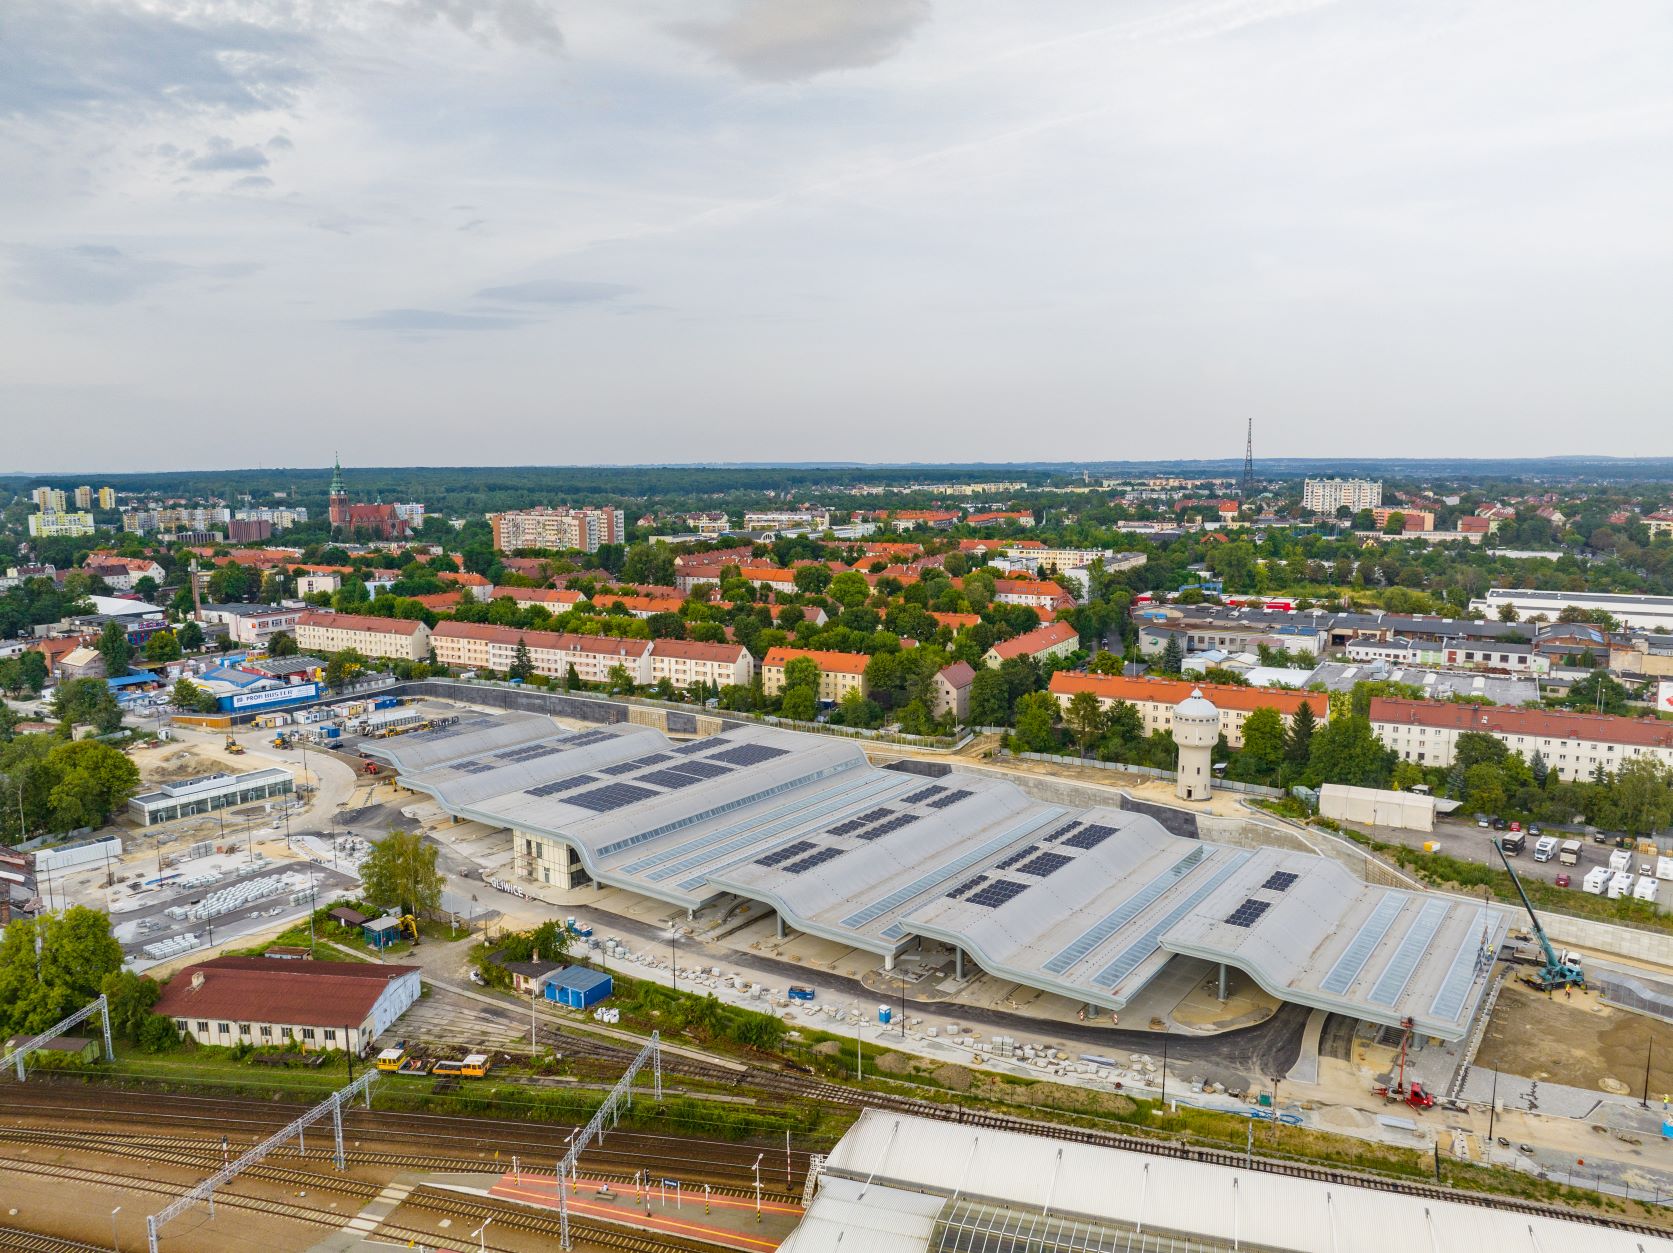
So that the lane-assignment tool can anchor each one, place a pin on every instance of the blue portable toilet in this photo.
(578, 987)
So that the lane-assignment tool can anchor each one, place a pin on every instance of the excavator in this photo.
(1559, 970)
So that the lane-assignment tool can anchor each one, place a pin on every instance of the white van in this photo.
(1546, 849)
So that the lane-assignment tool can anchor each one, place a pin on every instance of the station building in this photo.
(208, 793)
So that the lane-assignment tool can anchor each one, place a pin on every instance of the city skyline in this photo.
(888, 232)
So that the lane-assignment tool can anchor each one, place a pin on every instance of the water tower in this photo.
(1196, 729)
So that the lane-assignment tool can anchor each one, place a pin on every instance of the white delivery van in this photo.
(1546, 849)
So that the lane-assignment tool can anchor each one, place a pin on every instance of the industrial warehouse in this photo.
(1089, 903)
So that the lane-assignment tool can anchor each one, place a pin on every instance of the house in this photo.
(81, 662)
(1156, 699)
(481, 646)
(349, 918)
(956, 621)
(552, 599)
(839, 673)
(950, 691)
(528, 978)
(1002, 517)
(250, 624)
(402, 639)
(686, 663)
(308, 1005)
(578, 987)
(1038, 593)
(1055, 639)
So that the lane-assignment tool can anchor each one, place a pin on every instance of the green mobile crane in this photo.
(1559, 971)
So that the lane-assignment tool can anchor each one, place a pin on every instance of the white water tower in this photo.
(1196, 729)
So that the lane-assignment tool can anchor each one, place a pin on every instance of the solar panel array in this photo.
(923, 794)
(621, 767)
(884, 828)
(1089, 836)
(1022, 854)
(748, 754)
(1061, 831)
(1045, 864)
(610, 797)
(669, 779)
(975, 881)
(528, 752)
(1248, 913)
(561, 785)
(582, 738)
(1280, 881)
(951, 798)
(472, 767)
(997, 893)
(699, 746)
(814, 859)
(702, 769)
(781, 855)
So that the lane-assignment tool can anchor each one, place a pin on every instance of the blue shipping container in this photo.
(578, 987)
(385, 702)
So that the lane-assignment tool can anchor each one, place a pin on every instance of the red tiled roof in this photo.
(259, 989)
(829, 662)
(562, 641)
(1035, 641)
(1507, 720)
(958, 675)
(958, 621)
(697, 650)
(644, 604)
(537, 595)
(359, 622)
(438, 600)
(1172, 691)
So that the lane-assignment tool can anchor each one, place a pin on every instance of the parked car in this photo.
(1517, 826)
(1482, 823)
(1562, 881)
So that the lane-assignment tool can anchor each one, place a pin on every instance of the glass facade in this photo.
(972, 1226)
(158, 807)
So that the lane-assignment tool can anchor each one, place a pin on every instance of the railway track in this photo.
(16, 1240)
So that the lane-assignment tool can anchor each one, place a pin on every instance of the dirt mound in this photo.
(895, 1064)
(827, 1048)
(955, 1078)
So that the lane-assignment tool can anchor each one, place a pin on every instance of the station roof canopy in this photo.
(1089, 903)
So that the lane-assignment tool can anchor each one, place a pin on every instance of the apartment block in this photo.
(685, 663)
(60, 524)
(788, 520)
(480, 646)
(560, 528)
(1155, 699)
(395, 638)
(1574, 745)
(1329, 495)
(839, 673)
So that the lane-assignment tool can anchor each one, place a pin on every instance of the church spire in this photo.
(336, 475)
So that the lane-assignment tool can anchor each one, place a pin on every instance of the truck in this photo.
(1513, 842)
(1570, 853)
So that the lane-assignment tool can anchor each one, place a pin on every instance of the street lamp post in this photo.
(758, 1187)
(482, 1240)
(673, 961)
(115, 1242)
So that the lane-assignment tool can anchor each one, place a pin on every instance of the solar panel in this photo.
(582, 738)
(884, 828)
(621, 767)
(610, 797)
(1022, 854)
(846, 828)
(1248, 913)
(923, 794)
(748, 754)
(951, 798)
(1061, 831)
(472, 767)
(1089, 837)
(1391, 984)
(974, 881)
(781, 855)
(1364, 943)
(1124, 913)
(1045, 864)
(699, 746)
(873, 815)
(997, 893)
(1280, 881)
(702, 769)
(815, 859)
(562, 785)
(668, 779)
(528, 752)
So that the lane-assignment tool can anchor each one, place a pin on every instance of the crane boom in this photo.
(1561, 971)
(1539, 931)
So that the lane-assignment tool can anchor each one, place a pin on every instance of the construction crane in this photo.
(1414, 1094)
(1558, 971)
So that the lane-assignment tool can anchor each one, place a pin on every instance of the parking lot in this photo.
(1466, 841)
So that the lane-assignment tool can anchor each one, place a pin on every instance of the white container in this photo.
(1646, 889)
(1620, 883)
(1620, 859)
(1597, 878)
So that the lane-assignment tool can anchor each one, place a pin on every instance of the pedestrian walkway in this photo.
(362, 1225)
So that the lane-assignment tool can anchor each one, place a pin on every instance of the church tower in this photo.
(338, 498)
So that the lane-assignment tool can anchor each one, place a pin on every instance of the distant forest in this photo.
(477, 489)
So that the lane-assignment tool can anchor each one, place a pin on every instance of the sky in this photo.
(468, 232)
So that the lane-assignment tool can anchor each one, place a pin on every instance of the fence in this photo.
(1148, 772)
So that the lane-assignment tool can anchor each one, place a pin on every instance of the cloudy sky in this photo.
(245, 232)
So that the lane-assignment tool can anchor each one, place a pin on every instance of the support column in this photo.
(888, 961)
(779, 919)
(1224, 979)
(958, 963)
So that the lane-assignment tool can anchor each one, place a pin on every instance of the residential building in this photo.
(1040, 558)
(480, 646)
(638, 606)
(956, 621)
(84, 497)
(1156, 699)
(686, 663)
(787, 520)
(50, 499)
(1329, 495)
(839, 673)
(935, 519)
(83, 662)
(1001, 517)
(249, 530)
(1412, 519)
(60, 524)
(769, 578)
(122, 573)
(708, 525)
(398, 639)
(561, 528)
(295, 1004)
(554, 600)
(1574, 745)
(107, 498)
(315, 583)
(950, 691)
(1660, 522)
(250, 624)
(1039, 593)
(1054, 639)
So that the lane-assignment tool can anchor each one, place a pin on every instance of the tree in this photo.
(1085, 715)
(620, 679)
(87, 702)
(281, 644)
(1642, 798)
(1477, 748)
(990, 700)
(1599, 693)
(1538, 768)
(812, 580)
(522, 666)
(93, 781)
(190, 636)
(801, 672)
(130, 998)
(400, 873)
(1173, 656)
(77, 952)
(1406, 776)
(113, 646)
(1298, 740)
(1036, 723)
(1396, 524)
(1346, 751)
(343, 666)
(849, 589)
(162, 646)
(190, 697)
(1263, 741)
(800, 703)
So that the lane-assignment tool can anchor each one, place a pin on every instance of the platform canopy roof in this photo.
(1089, 903)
